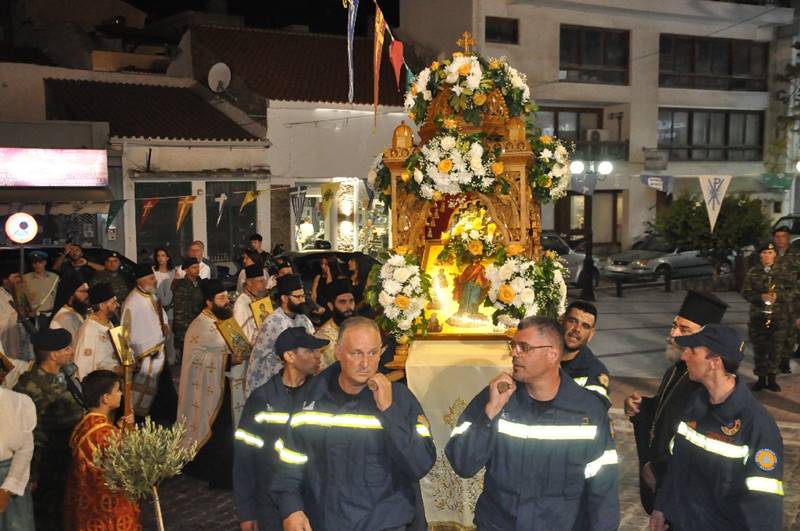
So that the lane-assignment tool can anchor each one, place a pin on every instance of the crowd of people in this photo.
(309, 433)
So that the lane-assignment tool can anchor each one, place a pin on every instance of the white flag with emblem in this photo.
(714, 188)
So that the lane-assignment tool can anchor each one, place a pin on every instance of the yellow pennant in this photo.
(249, 197)
(184, 205)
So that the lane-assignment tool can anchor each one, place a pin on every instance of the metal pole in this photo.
(587, 291)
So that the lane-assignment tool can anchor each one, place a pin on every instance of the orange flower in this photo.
(479, 98)
(514, 249)
(414, 90)
(445, 165)
(387, 190)
(552, 255)
(437, 196)
(405, 176)
(412, 117)
(495, 64)
(402, 302)
(457, 54)
(549, 182)
(497, 167)
(401, 250)
(449, 123)
(506, 294)
(475, 247)
(546, 139)
(464, 69)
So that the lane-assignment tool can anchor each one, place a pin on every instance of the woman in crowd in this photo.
(165, 274)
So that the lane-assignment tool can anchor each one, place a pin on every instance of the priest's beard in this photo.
(300, 309)
(339, 317)
(222, 312)
(81, 307)
(672, 351)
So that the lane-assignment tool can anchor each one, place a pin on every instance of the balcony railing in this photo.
(584, 150)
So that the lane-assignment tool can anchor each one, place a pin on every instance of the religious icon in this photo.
(234, 337)
(261, 309)
(434, 326)
(469, 289)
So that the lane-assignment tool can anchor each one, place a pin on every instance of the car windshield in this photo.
(654, 243)
(792, 222)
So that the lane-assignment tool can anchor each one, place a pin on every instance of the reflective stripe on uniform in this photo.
(460, 429)
(272, 417)
(609, 457)
(712, 445)
(289, 456)
(548, 432)
(762, 484)
(328, 420)
(248, 438)
(581, 380)
(423, 430)
(599, 389)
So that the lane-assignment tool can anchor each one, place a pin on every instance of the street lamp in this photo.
(797, 166)
(578, 167)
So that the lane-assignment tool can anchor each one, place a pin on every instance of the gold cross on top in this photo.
(466, 41)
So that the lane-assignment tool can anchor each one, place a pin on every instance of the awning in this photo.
(62, 200)
(739, 185)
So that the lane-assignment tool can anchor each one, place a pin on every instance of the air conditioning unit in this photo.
(602, 135)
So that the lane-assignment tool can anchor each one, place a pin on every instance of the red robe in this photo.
(89, 504)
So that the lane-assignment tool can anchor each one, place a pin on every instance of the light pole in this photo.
(589, 169)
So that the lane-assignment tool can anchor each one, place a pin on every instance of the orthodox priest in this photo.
(71, 315)
(148, 335)
(93, 347)
(206, 395)
(254, 288)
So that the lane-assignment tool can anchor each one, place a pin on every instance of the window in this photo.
(594, 55)
(573, 125)
(705, 63)
(226, 239)
(158, 229)
(502, 30)
(711, 135)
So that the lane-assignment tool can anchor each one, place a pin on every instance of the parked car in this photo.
(98, 255)
(572, 260)
(654, 258)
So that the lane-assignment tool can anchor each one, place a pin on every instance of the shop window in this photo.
(502, 30)
(159, 228)
(226, 239)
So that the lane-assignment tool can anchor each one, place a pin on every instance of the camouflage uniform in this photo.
(769, 343)
(119, 284)
(57, 413)
(787, 266)
(187, 303)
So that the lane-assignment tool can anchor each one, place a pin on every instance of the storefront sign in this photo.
(25, 167)
(655, 159)
(782, 181)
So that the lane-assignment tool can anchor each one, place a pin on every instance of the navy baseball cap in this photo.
(297, 337)
(722, 340)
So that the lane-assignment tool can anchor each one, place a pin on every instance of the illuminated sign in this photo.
(21, 227)
(53, 167)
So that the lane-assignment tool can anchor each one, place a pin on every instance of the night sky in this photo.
(322, 16)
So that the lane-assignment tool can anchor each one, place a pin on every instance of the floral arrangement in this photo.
(521, 287)
(470, 237)
(452, 163)
(549, 174)
(470, 79)
(400, 290)
(379, 178)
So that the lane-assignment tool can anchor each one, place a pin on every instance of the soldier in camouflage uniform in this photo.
(787, 263)
(115, 277)
(769, 290)
(58, 410)
(187, 301)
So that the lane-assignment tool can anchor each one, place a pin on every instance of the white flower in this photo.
(396, 260)
(473, 82)
(486, 182)
(414, 281)
(418, 176)
(507, 321)
(518, 284)
(474, 234)
(384, 299)
(546, 154)
(475, 163)
(426, 95)
(557, 170)
(392, 287)
(405, 324)
(401, 274)
(391, 312)
(457, 90)
(448, 143)
(506, 270)
(452, 76)
(476, 149)
(426, 191)
(528, 296)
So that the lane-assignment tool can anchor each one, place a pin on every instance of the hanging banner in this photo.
(352, 11)
(396, 57)
(147, 208)
(184, 205)
(114, 208)
(714, 188)
(221, 200)
(583, 183)
(249, 197)
(662, 183)
(380, 25)
(328, 192)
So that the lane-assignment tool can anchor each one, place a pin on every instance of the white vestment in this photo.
(147, 341)
(9, 325)
(244, 315)
(69, 320)
(205, 356)
(94, 349)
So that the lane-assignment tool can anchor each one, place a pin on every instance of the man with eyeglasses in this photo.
(353, 455)
(546, 443)
(578, 361)
(264, 364)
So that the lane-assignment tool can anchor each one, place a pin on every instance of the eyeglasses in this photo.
(524, 347)
(369, 355)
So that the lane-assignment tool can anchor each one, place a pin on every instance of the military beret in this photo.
(769, 246)
(51, 339)
(782, 228)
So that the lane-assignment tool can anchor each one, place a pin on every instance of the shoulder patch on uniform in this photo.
(422, 420)
(732, 428)
(603, 379)
(309, 406)
(766, 459)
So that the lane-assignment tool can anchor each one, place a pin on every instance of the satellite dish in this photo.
(219, 77)
(21, 227)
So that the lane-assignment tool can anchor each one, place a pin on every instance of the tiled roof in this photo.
(288, 66)
(143, 111)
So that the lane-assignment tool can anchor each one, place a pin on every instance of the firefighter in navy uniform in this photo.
(264, 419)
(353, 456)
(546, 444)
(727, 455)
(578, 361)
